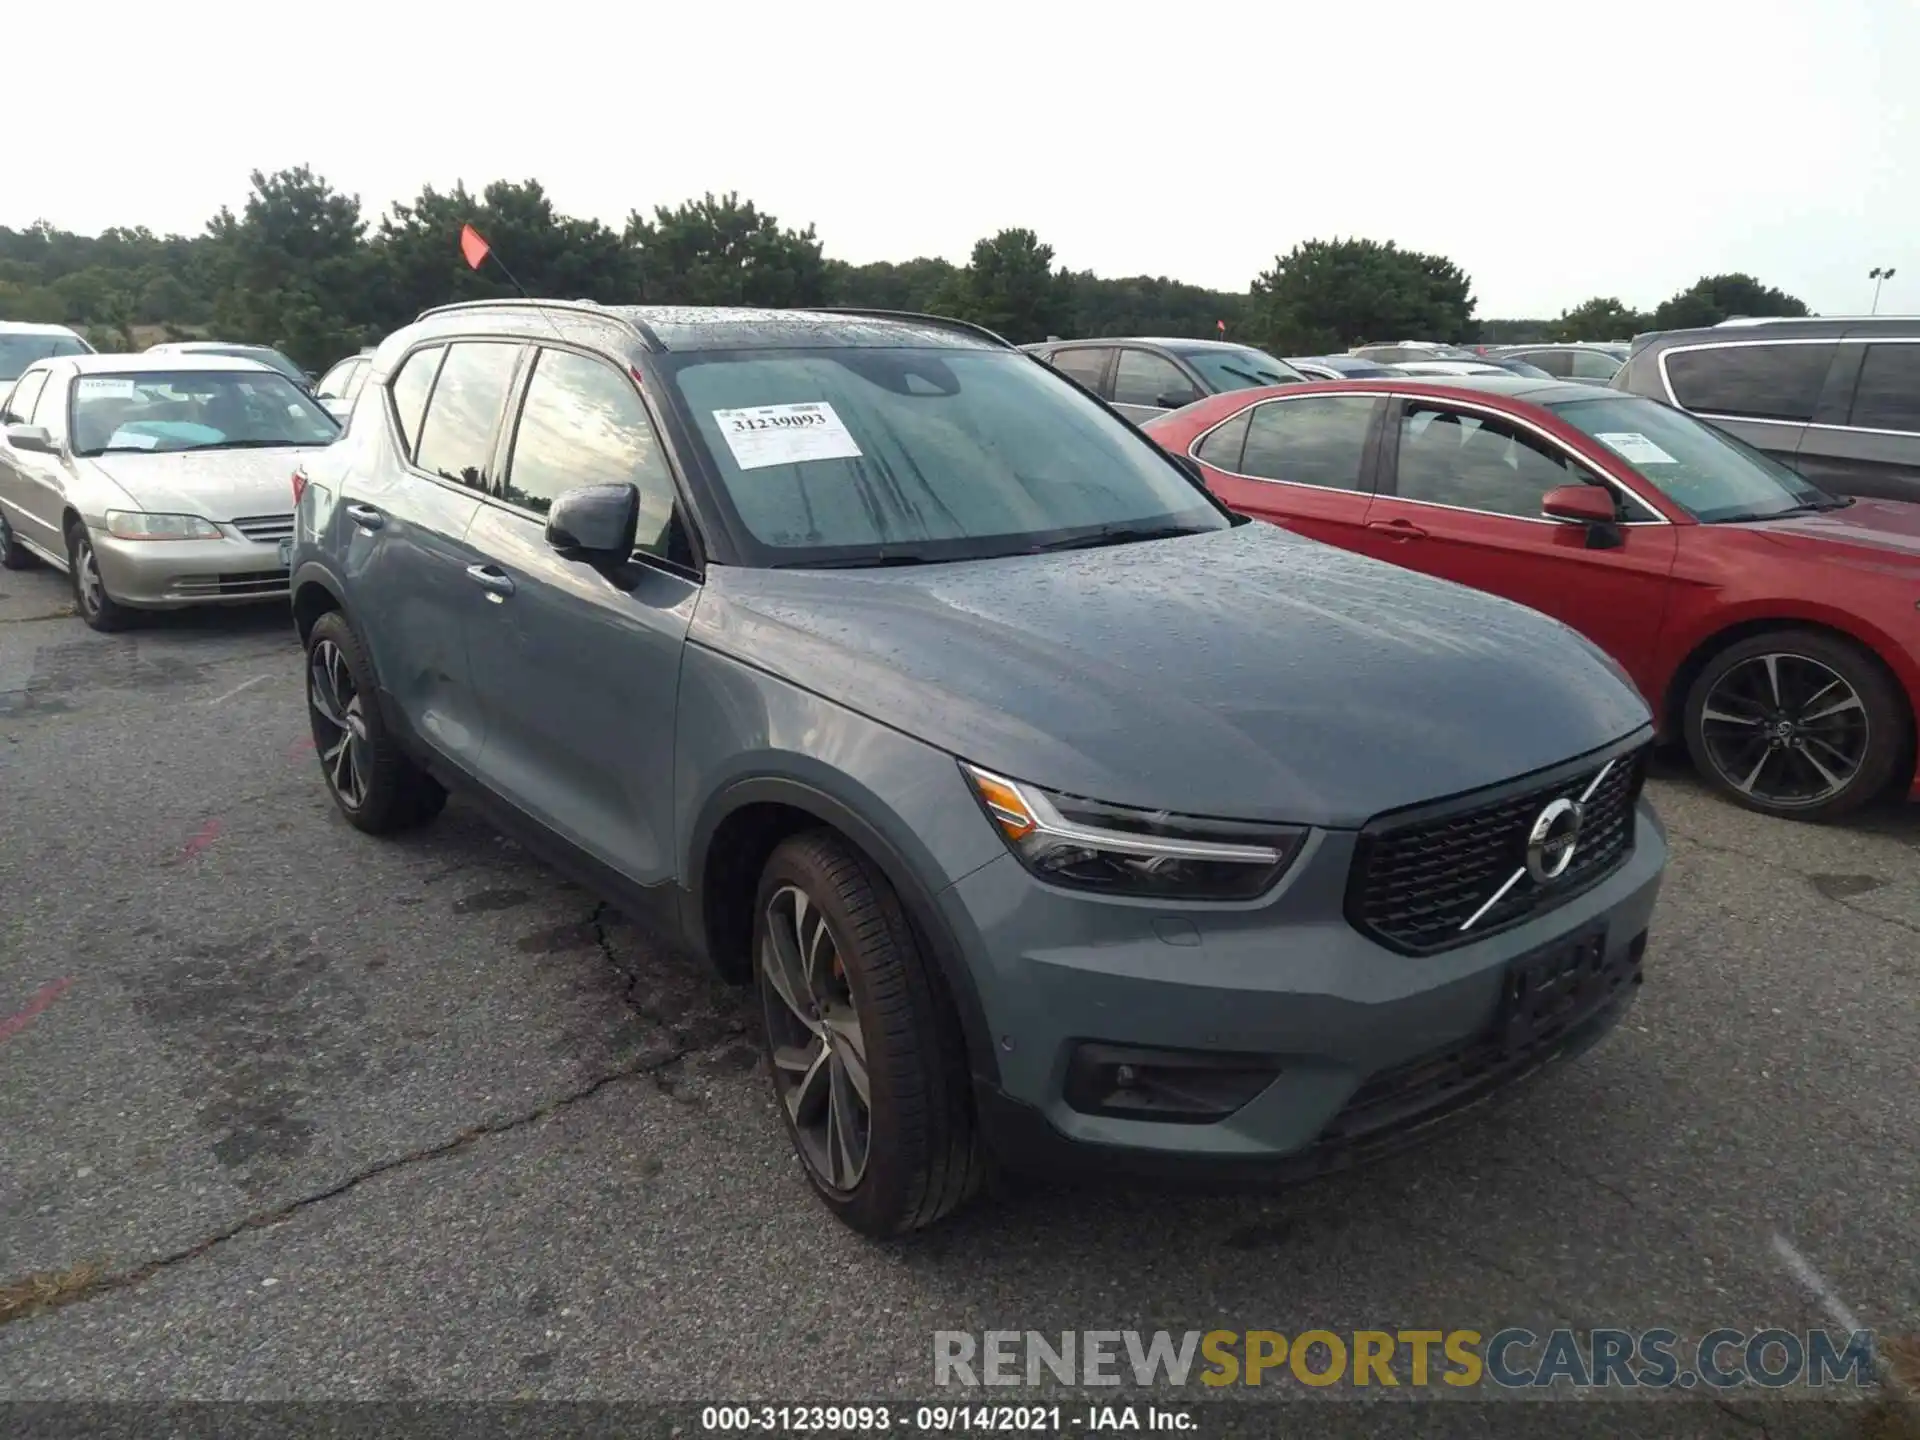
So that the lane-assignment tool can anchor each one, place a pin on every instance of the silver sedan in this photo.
(155, 481)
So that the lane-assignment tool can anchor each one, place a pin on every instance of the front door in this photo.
(1299, 462)
(1146, 385)
(33, 484)
(1460, 498)
(578, 663)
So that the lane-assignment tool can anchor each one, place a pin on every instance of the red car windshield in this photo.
(1706, 472)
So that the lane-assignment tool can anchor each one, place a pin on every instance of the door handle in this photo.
(366, 517)
(1397, 529)
(497, 583)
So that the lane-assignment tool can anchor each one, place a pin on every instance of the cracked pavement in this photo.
(340, 1118)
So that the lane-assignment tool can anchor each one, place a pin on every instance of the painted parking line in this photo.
(42, 998)
(241, 688)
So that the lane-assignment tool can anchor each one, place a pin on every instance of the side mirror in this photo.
(595, 521)
(32, 437)
(1588, 505)
(1174, 402)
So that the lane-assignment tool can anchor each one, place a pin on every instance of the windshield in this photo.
(17, 352)
(854, 456)
(1704, 471)
(195, 410)
(1227, 368)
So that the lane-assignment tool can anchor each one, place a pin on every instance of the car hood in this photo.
(213, 484)
(1246, 673)
(1888, 526)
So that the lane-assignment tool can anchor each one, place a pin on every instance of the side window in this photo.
(1221, 449)
(356, 378)
(1477, 463)
(1087, 366)
(583, 424)
(1144, 378)
(1594, 365)
(50, 411)
(410, 388)
(1888, 394)
(333, 384)
(456, 438)
(1315, 440)
(1554, 362)
(1758, 382)
(19, 406)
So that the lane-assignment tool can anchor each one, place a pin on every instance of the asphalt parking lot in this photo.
(337, 1118)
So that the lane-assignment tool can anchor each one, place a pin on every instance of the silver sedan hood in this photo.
(213, 484)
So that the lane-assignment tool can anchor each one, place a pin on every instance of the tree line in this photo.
(303, 268)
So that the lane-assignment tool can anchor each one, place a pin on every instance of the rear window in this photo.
(1751, 382)
(1888, 394)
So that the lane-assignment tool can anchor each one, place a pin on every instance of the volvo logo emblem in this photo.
(1553, 839)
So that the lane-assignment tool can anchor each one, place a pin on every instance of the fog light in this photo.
(1179, 1087)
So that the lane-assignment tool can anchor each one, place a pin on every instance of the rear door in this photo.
(402, 534)
(1763, 391)
(578, 664)
(1303, 462)
(1865, 439)
(1459, 498)
(1146, 384)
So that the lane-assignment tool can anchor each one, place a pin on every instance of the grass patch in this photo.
(48, 1290)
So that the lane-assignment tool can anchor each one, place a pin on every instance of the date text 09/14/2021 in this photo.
(941, 1419)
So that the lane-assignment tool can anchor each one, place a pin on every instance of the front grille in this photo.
(1418, 878)
(254, 582)
(264, 528)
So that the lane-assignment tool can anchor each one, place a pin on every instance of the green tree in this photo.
(1713, 298)
(718, 251)
(1329, 294)
(292, 268)
(1601, 318)
(417, 262)
(1010, 287)
(884, 285)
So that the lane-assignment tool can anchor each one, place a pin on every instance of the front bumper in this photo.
(166, 574)
(1368, 1046)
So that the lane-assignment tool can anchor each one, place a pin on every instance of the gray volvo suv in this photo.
(1062, 817)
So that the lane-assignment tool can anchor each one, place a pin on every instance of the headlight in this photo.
(139, 525)
(1087, 845)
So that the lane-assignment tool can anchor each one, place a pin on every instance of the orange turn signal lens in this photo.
(1004, 803)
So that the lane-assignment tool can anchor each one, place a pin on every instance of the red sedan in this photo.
(1774, 627)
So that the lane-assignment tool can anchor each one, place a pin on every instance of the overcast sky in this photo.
(1554, 151)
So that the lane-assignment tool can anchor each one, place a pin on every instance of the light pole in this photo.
(1879, 276)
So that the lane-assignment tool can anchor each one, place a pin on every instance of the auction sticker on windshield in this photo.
(117, 386)
(1634, 448)
(764, 435)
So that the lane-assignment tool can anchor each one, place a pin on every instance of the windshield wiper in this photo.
(883, 560)
(1115, 535)
(257, 445)
(1806, 507)
(1257, 378)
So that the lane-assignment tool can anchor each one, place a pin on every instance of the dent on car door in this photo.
(577, 658)
(1460, 499)
(1303, 462)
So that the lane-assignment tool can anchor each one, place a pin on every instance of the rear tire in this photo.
(372, 781)
(99, 609)
(849, 1000)
(13, 555)
(1774, 721)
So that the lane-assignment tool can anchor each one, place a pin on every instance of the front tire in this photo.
(371, 780)
(863, 1045)
(1796, 724)
(99, 609)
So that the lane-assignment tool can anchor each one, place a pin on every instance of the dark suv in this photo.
(1145, 378)
(1837, 399)
(1060, 814)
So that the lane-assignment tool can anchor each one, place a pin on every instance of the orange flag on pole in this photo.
(472, 246)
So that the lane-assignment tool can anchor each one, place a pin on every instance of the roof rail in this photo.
(517, 302)
(1739, 320)
(966, 327)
